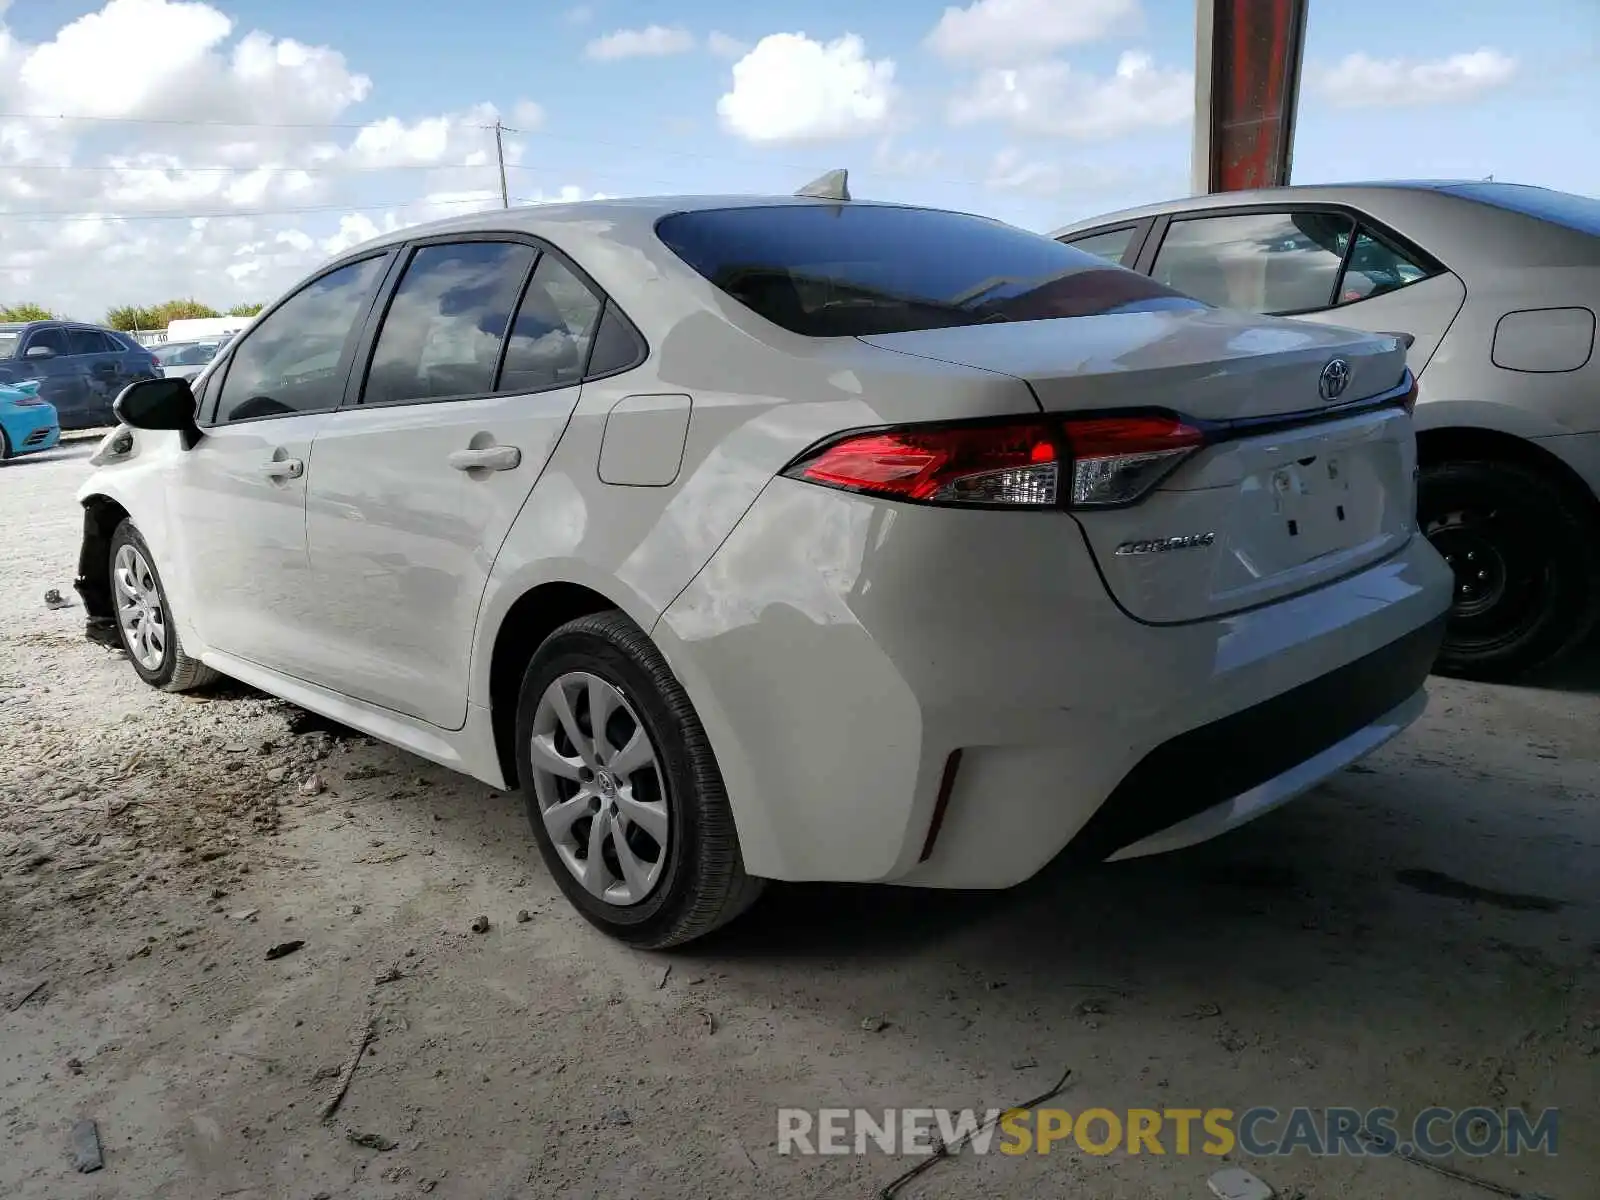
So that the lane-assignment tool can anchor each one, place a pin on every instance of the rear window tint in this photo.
(850, 270)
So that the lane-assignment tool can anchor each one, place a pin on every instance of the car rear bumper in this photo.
(30, 430)
(1254, 759)
(950, 698)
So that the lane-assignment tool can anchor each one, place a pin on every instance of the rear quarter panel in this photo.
(758, 401)
(1464, 385)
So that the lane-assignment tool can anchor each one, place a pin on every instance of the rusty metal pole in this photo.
(1247, 86)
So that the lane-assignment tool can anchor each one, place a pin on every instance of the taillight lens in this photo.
(1116, 460)
(1409, 400)
(1037, 463)
(972, 464)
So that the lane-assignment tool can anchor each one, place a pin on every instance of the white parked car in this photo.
(1496, 286)
(792, 538)
(185, 360)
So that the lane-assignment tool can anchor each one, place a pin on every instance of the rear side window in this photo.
(1258, 262)
(1110, 245)
(290, 361)
(616, 344)
(447, 322)
(1375, 267)
(52, 339)
(86, 341)
(549, 342)
(845, 270)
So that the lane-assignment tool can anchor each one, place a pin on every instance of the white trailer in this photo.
(193, 329)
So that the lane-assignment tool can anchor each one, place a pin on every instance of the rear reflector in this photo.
(947, 784)
(1106, 461)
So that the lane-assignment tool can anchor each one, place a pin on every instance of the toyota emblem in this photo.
(1335, 378)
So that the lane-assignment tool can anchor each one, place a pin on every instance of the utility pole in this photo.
(500, 158)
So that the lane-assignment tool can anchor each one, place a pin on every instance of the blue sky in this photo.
(1011, 107)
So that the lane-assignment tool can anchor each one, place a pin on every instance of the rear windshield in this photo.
(1559, 208)
(185, 354)
(849, 270)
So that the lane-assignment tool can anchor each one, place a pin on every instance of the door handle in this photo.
(283, 468)
(489, 458)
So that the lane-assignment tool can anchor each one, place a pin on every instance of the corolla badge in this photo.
(1334, 379)
(1188, 541)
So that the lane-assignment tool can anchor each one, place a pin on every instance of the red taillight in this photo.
(1108, 461)
(963, 464)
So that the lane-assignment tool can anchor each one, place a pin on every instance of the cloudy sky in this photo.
(154, 148)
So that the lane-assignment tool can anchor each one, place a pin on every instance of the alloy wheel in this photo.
(600, 788)
(139, 610)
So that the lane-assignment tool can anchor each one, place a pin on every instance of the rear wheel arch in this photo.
(533, 617)
(1533, 526)
(1460, 443)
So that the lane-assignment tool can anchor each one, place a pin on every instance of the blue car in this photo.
(27, 423)
(81, 368)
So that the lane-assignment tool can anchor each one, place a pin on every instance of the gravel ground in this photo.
(1424, 930)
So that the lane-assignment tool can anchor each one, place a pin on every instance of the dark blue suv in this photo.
(81, 368)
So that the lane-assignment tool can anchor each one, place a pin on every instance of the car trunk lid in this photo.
(1209, 363)
(1291, 489)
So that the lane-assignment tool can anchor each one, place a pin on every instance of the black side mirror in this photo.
(159, 404)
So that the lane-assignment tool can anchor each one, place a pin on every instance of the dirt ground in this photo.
(1422, 931)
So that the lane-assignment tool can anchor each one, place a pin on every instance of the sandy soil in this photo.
(1423, 930)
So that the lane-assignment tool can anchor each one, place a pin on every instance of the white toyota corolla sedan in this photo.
(792, 538)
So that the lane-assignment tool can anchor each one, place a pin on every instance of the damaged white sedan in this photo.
(794, 538)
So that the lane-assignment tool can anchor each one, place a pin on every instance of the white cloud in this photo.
(1012, 171)
(166, 78)
(1051, 98)
(527, 115)
(1361, 81)
(654, 41)
(158, 59)
(792, 89)
(1017, 31)
(724, 46)
(567, 194)
(893, 160)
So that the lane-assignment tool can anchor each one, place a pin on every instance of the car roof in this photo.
(622, 216)
(614, 243)
(1300, 193)
(1444, 217)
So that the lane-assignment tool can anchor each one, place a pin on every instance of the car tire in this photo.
(150, 639)
(5, 447)
(1526, 563)
(684, 875)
